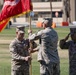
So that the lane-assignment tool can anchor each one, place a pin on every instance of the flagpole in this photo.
(30, 63)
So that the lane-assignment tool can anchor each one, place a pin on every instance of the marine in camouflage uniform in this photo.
(71, 46)
(48, 53)
(20, 54)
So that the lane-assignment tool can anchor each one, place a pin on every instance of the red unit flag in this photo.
(13, 8)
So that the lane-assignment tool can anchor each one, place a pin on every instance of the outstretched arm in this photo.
(35, 36)
(33, 50)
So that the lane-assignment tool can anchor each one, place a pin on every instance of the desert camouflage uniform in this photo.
(71, 45)
(48, 54)
(19, 50)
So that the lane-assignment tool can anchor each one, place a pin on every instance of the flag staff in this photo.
(30, 63)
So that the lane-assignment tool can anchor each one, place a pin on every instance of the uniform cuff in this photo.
(22, 58)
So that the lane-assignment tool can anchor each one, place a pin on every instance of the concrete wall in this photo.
(45, 6)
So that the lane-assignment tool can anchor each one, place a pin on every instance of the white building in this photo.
(43, 10)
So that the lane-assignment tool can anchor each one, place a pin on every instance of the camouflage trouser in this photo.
(51, 69)
(20, 72)
(72, 68)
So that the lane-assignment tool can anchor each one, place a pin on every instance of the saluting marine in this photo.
(71, 46)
